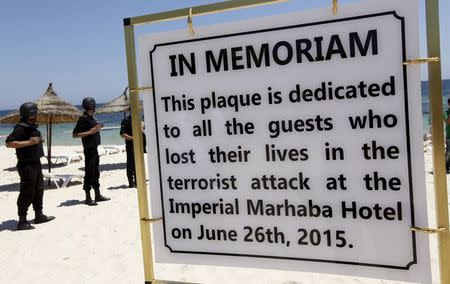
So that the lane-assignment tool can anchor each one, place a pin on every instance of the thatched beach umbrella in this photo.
(51, 110)
(119, 104)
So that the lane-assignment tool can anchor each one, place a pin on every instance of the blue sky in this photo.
(79, 45)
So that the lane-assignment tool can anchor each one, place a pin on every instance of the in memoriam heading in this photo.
(281, 52)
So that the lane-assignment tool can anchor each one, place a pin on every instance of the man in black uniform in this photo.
(126, 132)
(88, 130)
(27, 141)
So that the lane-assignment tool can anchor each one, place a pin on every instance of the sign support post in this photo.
(134, 88)
(138, 153)
(435, 85)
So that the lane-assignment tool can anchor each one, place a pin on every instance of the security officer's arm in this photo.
(93, 130)
(20, 144)
(124, 125)
(126, 136)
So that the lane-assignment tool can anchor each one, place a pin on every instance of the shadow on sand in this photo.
(71, 202)
(123, 186)
(13, 187)
(10, 187)
(110, 167)
(10, 225)
(11, 169)
(54, 166)
(72, 182)
(44, 167)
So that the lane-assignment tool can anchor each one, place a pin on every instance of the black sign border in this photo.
(405, 86)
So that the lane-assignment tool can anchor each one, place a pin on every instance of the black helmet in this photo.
(28, 109)
(88, 103)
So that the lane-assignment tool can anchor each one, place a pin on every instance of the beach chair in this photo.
(102, 151)
(66, 158)
(121, 148)
(113, 149)
(64, 179)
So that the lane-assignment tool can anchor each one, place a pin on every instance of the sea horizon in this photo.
(62, 133)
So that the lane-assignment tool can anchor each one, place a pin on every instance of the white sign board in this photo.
(290, 142)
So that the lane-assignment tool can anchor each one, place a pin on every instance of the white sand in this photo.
(101, 244)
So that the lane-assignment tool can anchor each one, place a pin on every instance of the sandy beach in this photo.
(101, 244)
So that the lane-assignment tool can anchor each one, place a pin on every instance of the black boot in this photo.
(89, 200)
(99, 197)
(41, 218)
(23, 224)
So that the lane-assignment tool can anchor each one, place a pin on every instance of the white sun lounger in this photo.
(63, 178)
(66, 158)
(114, 148)
(102, 151)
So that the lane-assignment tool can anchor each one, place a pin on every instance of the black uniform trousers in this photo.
(131, 170)
(31, 186)
(91, 169)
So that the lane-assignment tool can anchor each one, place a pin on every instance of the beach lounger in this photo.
(115, 148)
(63, 178)
(66, 158)
(102, 151)
(121, 148)
(109, 149)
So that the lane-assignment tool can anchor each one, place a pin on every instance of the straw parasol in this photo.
(51, 110)
(119, 104)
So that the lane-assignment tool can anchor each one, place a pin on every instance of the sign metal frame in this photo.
(435, 83)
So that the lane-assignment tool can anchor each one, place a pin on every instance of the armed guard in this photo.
(126, 132)
(88, 129)
(27, 140)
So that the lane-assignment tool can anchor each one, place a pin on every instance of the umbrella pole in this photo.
(46, 133)
(49, 145)
(48, 157)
